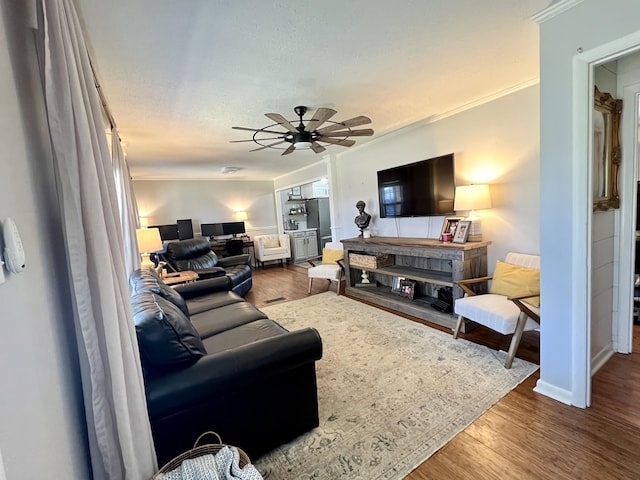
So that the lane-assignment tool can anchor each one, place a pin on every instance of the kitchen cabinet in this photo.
(304, 244)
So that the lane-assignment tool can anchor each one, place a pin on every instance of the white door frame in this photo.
(583, 84)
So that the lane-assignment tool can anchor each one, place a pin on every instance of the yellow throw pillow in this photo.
(331, 256)
(272, 241)
(513, 281)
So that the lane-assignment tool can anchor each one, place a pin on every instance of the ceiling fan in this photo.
(308, 133)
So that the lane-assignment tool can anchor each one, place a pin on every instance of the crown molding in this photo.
(553, 10)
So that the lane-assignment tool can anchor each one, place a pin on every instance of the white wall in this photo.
(565, 207)
(165, 201)
(495, 143)
(42, 432)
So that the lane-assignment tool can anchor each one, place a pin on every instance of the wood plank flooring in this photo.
(525, 435)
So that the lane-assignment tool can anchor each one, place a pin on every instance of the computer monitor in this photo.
(167, 232)
(233, 228)
(185, 229)
(211, 229)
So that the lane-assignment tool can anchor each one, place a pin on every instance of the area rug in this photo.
(391, 391)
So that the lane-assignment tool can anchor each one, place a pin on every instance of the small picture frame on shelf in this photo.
(449, 226)
(462, 231)
(295, 193)
(395, 288)
(407, 288)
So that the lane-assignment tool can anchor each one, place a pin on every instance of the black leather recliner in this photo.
(227, 369)
(196, 254)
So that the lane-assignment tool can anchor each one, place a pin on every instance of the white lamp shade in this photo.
(241, 216)
(148, 240)
(472, 197)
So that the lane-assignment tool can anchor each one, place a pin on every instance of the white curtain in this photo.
(127, 205)
(120, 440)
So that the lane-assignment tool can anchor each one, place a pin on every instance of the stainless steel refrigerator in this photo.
(318, 217)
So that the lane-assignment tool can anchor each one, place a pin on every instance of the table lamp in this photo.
(149, 241)
(471, 198)
(241, 216)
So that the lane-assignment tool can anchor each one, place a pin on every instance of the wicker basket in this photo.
(369, 261)
(198, 451)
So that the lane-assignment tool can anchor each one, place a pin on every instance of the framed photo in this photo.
(606, 150)
(449, 226)
(407, 288)
(462, 231)
(396, 287)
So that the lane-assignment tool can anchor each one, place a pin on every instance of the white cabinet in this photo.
(304, 244)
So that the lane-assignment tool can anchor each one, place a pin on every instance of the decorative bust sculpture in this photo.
(363, 218)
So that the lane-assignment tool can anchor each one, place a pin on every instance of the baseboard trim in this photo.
(600, 358)
(551, 391)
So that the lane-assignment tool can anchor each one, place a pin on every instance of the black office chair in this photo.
(233, 246)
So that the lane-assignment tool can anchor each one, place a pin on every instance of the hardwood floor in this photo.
(525, 435)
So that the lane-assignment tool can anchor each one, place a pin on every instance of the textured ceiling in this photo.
(178, 75)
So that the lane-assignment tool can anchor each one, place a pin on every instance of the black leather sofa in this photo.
(196, 254)
(212, 361)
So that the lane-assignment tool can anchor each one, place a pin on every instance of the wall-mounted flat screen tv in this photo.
(419, 189)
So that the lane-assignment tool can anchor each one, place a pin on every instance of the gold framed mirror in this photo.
(606, 151)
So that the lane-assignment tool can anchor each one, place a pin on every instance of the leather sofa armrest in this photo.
(203, 287)
(208, 378)
(234, 260)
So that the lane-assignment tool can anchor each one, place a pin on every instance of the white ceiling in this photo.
(177, 75)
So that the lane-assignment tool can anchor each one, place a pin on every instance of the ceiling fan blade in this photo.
(259, 130)
(252, 140)
(289, 150)
(352, 122)
(367, 132)
(321, 116)
(316, 147)
(276, 117)
(335, 141)
(267, 146)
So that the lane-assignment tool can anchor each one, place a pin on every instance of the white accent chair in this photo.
(272, 247)
(506, 315)
(327, 271)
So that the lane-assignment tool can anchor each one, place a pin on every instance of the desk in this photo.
(247, 246)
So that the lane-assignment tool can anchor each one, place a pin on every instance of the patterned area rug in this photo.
(391, 391)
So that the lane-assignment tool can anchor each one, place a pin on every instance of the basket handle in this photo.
(207, 433)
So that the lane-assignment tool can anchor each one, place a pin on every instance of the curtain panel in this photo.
(120, 441)
(127, 206)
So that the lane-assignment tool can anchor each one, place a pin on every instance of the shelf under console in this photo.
(430, 263)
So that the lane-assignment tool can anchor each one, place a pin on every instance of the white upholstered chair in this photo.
(504, 314)
(272, 247)
(331, 268)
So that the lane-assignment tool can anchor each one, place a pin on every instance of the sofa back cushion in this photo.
(166, 337)
(192, 254)
(146, 280)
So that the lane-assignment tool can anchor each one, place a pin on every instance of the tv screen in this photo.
(167, 232)
(233, 228)
(419, 189)
(211, 229)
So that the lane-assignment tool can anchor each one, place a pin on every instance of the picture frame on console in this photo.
(462, 231)
(449, 226)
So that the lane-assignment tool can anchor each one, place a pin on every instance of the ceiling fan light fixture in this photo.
(302, 145)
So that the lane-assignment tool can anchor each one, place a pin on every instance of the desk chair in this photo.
(234, 246)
